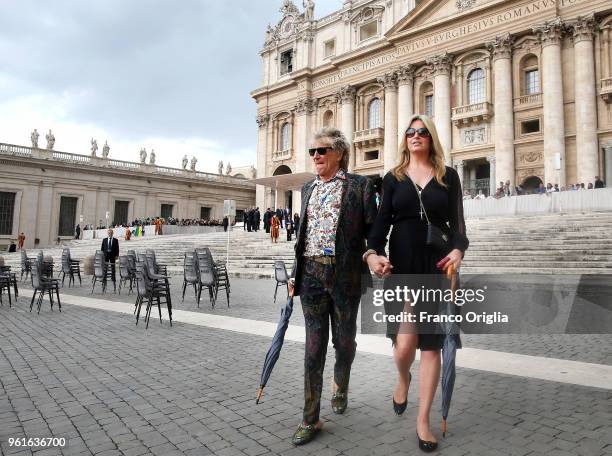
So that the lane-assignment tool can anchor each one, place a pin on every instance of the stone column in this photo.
(587, 146)
(263, 122)
(346, 98)
(459, 165)
(405, 103)
(492, 175)
(303, 111)
(608, 164)
(501, 51)
(389, 82)
(550, 34)
(441, 65)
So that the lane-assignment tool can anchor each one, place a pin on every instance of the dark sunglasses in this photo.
(423, 132)
(320, 150)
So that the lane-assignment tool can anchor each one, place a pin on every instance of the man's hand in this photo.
(290, 286)
(379, 265)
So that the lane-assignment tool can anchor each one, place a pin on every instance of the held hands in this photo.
(290, 286)
(379, 265)
(453, 258)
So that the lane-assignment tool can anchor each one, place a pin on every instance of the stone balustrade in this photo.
(372, 136)
(606, 90)
(472, 113)
(281, 155)
(60, 157)
(528, 101)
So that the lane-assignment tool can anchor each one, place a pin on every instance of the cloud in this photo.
(173, 76)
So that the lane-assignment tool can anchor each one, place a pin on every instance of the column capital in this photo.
(501, 47)
(405, 74)
(607, 147)
(584, 28)
(346, 94)
(491, 159)
(305, 106)
(441, 63)
(459, 164)
(263, 120)
(550, 32)
(388, 81)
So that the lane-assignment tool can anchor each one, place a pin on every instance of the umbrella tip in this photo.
(443, 427)
(259, 394)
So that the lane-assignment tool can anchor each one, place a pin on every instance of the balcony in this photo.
(281, 155)
(367, 138)
(533, 100)
(606, 90)
(473, 113)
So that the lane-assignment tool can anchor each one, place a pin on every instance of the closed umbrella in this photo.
(275, 346)
(449, 351)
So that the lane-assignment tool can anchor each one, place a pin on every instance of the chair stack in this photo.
(126, 273)
(205, 275)
(70, 268)
(103, 272)
(190, 274)
(151, 289)
(6, 280)
(26, 265)
(41, 285)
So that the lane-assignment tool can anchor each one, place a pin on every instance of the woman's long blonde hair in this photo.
(436, 153)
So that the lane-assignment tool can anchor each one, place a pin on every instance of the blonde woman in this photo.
(420, 176)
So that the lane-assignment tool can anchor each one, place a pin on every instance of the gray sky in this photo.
(169, 75)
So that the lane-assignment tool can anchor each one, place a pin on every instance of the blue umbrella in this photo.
(275, 346)
(449, 351)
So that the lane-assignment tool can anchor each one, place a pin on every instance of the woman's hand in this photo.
(379, 265)
(454, 258)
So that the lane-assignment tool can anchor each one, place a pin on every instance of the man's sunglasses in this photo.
(320, 150)
(423, 132)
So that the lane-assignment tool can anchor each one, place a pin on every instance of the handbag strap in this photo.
(420, 200)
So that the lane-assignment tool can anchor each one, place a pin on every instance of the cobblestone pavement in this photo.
(253, 299)
(112, 388)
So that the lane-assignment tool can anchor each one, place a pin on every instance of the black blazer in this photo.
(357, 215)
(114, 249)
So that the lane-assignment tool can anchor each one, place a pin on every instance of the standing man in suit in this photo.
(338, 210)
(110, 247)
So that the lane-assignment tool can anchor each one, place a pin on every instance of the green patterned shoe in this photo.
(305, 433)
(339, 401)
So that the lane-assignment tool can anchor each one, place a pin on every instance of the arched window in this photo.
(427, 99)
(476, 86)
(284, 137)
(328, 119)
(531, 75)
(374, 114)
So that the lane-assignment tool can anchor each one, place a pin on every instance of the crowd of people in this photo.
(273, 221)
(505, 189)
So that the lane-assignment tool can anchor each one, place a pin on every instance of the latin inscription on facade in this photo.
(490, 22)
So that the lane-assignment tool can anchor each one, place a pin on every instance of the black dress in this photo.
(408, 251)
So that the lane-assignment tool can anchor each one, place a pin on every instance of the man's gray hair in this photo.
(337, 141)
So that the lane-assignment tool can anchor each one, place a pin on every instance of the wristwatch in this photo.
(367, 254)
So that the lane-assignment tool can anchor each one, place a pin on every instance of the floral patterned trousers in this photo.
(322, 303)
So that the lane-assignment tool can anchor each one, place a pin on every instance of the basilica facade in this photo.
(518, 90)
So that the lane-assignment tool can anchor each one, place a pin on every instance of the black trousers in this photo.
(321, 304)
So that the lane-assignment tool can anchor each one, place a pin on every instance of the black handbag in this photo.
(435, 236)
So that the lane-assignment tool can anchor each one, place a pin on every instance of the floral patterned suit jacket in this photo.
(357, 214)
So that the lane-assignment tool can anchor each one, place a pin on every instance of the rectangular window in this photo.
(429, 105)
(67, 216)
(368, 30)
(166, 210)
(286, 62)
(371, 155)
(205, 213)
(121, 212)
(7, 209)
(329, 48)
(532, 82)
(530, 126)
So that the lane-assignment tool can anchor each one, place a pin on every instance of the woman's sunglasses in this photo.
(320, 150)
(423, 132)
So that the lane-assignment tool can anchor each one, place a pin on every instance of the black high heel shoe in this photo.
(425, 445)
(401, 408)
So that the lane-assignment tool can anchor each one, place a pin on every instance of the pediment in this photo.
(434, 12)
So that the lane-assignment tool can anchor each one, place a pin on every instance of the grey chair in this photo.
(206, 277)
(281, 276)
(125, 274)
(102, 272)
(70, 268)
(26, 265)
(42, 285)
(190, 273)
